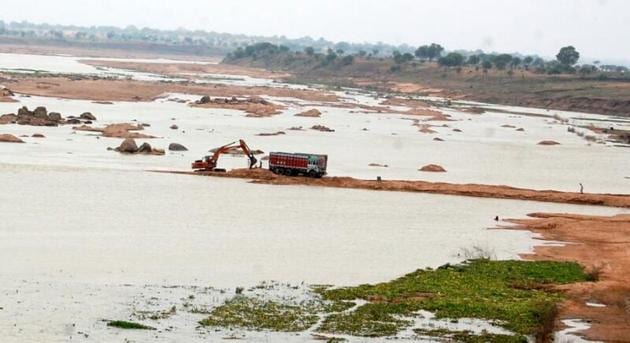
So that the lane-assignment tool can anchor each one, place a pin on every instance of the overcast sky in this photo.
(597, 28)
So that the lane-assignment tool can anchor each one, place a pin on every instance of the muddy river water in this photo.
(87, 234)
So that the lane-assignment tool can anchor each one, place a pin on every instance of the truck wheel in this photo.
(312, 174)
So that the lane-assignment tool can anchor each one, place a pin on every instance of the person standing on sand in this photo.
(581, 188)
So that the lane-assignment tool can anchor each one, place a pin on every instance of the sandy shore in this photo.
(473, 190)
(602, 246)
(130, 90)
(183, 69)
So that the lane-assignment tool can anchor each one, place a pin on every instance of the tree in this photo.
(422, 52)
(515, 62)
(486, 65)
(429, 51)
(501, 61)
(401, 58)
(362, 53)
(347, 60)
(568, 56)
(330, 56)
(453, 59)
(309, 51)
(528, 60)
(473, 60)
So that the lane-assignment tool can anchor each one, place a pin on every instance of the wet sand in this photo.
(130, 90)
(473, 190)
(179, 69)
(602, 246)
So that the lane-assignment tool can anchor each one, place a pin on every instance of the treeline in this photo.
(270, 55)
(218, 42)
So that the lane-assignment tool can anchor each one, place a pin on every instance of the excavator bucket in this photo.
(252, 161)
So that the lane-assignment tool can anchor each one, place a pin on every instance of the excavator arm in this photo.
(248, 153)
(209, 163)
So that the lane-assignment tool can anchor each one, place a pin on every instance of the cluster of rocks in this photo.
(41, 117)
(322, 128)
(231, 101)
(129, 146)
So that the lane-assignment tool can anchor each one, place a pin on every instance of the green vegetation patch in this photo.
(469, 337)
(121, 324)
(513, 294)
(369, 320)
(256, 314)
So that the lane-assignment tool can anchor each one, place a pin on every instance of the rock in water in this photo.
(176, 147)
(433, 168)
(548, 143)
(174, 127)
(24, 111)
(54, 116)
(128, 146)
(10, 139)
(87, 116)
(41, 112)
(315, 113)
(144, 148)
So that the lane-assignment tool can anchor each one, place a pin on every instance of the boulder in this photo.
(174, 127)
(176, 147)
(433, 168)
(38, 135)
(41, 112)
(547, 142)
(73, 121)
(128, 146)
(313, 113)
(7, 138)
(87, 116)
(204, 100)
(144, 148)
(56, 116)
(156, 151)
(8, 118)
(24, 112)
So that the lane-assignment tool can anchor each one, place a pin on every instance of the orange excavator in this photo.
(209, 163)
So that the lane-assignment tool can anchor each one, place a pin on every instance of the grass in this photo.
(469, 337)
(121, 324)
(256, 314)
(514, 294)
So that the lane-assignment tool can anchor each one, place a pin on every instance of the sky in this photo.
(599, 29)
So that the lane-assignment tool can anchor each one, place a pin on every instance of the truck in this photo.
(292, 164)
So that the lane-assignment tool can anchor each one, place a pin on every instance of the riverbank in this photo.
(601, 245)
(518, 87)
(473, 190)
